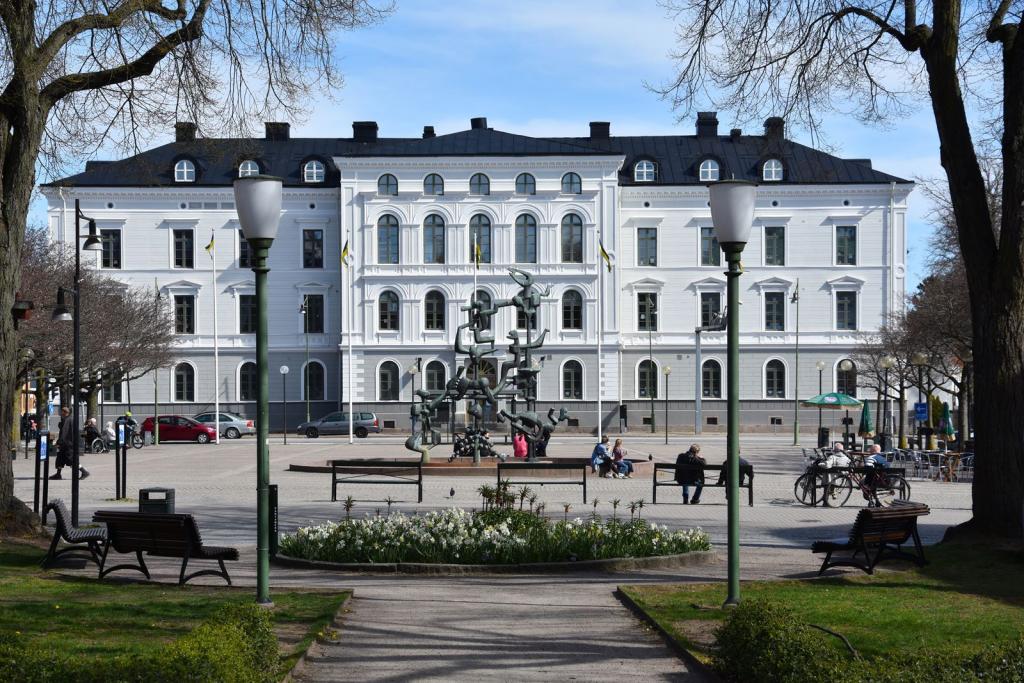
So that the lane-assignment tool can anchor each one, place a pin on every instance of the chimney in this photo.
(184, 131)
(707, 124)
(775, 127)
(478, 123)
(735, 134)
(600, 130)
(428, 132)
(364, 131)
(276, 130)
(99, 163)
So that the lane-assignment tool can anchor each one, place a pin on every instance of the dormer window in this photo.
(387, 185)
(479, 184)
(313, 171)
(772, 170)
(248, 168)
(709, 171)
(185, 171)
(571, 184)
(644, 171)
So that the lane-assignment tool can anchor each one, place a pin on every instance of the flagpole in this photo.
(600, 332)
(351, 303)
(216, 343)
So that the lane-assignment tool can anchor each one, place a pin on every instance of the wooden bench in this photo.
(697, 472)
(878, 534)
(91, 538)
(364, 468)
(545, 466)
(160, 535)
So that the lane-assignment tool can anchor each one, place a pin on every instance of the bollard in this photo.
(273, 520)
(42, 453)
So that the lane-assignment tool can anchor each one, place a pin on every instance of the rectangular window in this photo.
(846, 245)
(387, 244)
(112, 394)
(313, 304)
(184, 314)
(846, 310)
(710, 308)
(774, 245)
(312, 248)
(244, 252)
(647, 311)
(572, 241)
(647, 246)
(111, 242)
(184, 249)
(247, 314)
(481, 237)
(433, 244)
(526, 244)
(774, 311)
(521, 320)
(710, 253)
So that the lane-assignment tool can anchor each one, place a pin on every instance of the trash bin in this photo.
(823, 436)
(156, 500)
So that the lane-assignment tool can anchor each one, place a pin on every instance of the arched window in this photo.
(387, 311)
(387, 185)
(572, 310)
(846, 380)
(433, 239)
(248, 168)
(433, 184)
(313, 382)
(434, 376)
(479, 184)
(571, 184)
(185, 171)
(184, 383)
(388, 239)
(572, 380)
(521, 320)
(389, 386)
(644, 171)
(775, 379)
(711, 379)
(313, 171)
(709, 170)
(526, 239)
(433, 311)
(572, 239)
(526, 184)
(647, 379)
(772, 170)
(485, 302)
(486, 370)
(247, 387)
(480, 238)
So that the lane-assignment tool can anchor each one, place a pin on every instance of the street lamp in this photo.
(795, 299)
(61, 313)
(732, 212)
(887, 362)
(920, 360)
(667, 371)
(258, 202)
(304, 309)
(820, 365)
(414, 370)
(650, 309)
(284, 400)
(846, 365)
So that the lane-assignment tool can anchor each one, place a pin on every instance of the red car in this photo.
(181, 428)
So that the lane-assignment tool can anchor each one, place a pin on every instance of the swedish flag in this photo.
(209, 247)
(478, 256)
(344, 254)
(605, 256)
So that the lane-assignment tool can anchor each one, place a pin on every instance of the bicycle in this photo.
(869, 483)
(810, 486)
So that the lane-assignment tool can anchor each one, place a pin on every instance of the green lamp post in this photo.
(732, 212)
(258, 202)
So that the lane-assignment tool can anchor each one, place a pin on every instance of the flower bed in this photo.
(495, 536)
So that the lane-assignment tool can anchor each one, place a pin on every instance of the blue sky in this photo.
(548, 68)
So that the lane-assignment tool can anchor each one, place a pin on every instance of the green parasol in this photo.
(835, 400)
(946, 428)
(865, 430)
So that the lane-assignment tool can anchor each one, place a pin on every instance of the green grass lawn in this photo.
(84, 616)
(969, 595)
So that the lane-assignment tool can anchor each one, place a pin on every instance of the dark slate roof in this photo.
(677, 157)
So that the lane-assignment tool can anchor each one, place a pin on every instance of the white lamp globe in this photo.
(732, 210)
(258, 203)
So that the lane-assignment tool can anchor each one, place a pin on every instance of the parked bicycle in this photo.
(833, 487)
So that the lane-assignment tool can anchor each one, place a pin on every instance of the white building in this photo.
(409, 209)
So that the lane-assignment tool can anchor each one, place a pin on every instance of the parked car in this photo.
(180, 428)
(337, 423)
(232, 426)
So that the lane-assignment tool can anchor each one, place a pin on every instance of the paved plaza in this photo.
(499, 627)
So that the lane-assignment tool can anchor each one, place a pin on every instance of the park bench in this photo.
(90, 537)
(390, 470)
(698, 472)
(545, 467)
(159, 535)
(878, 534)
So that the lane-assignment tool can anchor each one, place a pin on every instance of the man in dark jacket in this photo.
(688, 477)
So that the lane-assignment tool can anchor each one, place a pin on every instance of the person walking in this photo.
(688, 477)
(66, 433)
(623, 468)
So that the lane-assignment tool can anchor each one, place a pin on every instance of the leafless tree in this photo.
(875, 59)
(889, 343)
(77, 74)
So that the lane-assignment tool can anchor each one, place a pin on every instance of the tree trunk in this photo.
(92, 402)
(903, 416)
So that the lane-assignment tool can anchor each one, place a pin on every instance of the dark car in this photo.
(180, 428)
(337, 423)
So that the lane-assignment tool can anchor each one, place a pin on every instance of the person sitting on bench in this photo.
(687, 477)
(723, 475)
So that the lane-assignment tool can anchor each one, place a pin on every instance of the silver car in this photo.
(337, 423)
(231, 426)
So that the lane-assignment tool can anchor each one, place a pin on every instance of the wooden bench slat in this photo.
(878, 534)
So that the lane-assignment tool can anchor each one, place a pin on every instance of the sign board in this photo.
(44, 442)
(120, 433)
(921, 412)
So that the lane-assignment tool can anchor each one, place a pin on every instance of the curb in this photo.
(677, 648)
(300, 663)
(611, 565)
